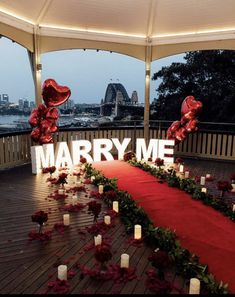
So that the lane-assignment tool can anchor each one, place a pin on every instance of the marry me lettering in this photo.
(68, 155)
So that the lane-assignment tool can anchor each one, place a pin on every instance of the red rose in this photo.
(39, 217)
(83, 160)
(159, 162)
(179, 161)
(95, 208)
(128, 156)
(103, 253)
(111, 195)
(224, 185)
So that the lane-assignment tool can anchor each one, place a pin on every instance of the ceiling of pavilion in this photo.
(130, 21)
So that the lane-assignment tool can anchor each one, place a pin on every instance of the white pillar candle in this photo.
(98, 239)
(204, 190)
(194, 287)
(107, 220)
(181, 168)
(83, 166)
(124, 261)
(186, 174)
(233, 207)
(62, 272)
(66, 218)
(203, 180)
(208, 175)
(137, 233)
(61, 191)
(74, 199)
(92, 178)
(115, 206)
(101, 189)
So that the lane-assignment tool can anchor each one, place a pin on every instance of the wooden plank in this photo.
(233, 151)
(224, 145)
(229, 146)
(204, 143)
(214, 144)
(219, 145)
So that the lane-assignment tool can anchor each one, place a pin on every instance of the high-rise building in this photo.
(21, 104)
(4, 100)
(32, 105)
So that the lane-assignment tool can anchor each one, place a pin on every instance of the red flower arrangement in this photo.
(40, 217)
(159, 162)
(95, 208)
(103, 253)
(62, 179)
(72, 208)
(50, 170)
(150, 159)
(161, 261)
(128, 156)
(96, 195)
(156, 285)
(110, 195)
(59, 286)
(99, 228)
(113, 272)
(224, 186)
(59, 227)
(179, 161)
(83, 160)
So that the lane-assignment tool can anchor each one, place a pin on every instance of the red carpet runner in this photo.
(201, 229)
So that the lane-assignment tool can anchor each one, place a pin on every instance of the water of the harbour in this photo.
(10, 119)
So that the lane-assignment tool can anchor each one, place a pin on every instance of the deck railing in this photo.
(209, 144)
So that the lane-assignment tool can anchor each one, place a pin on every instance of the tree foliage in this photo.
(207, 75)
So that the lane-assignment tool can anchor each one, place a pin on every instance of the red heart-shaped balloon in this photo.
(34, 118)
(54, 94)
(35, 134)
(52, 113)
(45, 139)
(191, 104)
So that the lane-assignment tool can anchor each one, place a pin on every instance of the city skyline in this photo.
(87, 73)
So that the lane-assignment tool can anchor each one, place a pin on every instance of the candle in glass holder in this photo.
(98, 239)
(181, 168)
(62, 272)
(233, 207)
(74, 199)
(101, 189)
(107, 220)
(137, 232)
(208, 175)
(203, 180)
(194, 286)
(61, 191)
(66, 218)
(204, 190)
(124, 261)
(186, 174)
(115, 206)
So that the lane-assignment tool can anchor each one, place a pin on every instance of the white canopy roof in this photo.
(137, 22)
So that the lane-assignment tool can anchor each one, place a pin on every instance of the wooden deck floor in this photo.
(27, 267)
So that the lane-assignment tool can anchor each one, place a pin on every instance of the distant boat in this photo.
(66, 115)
